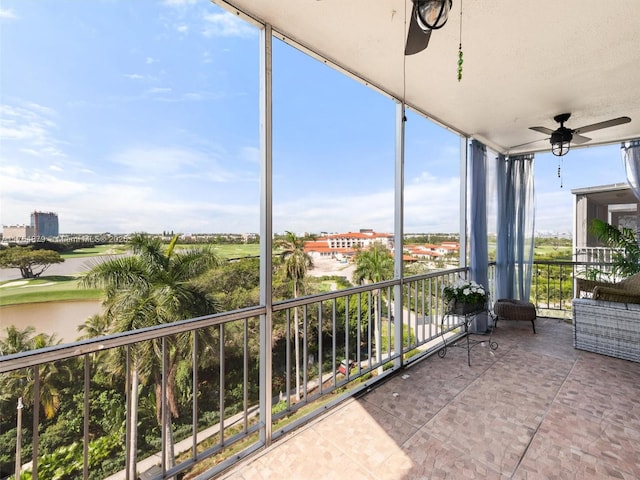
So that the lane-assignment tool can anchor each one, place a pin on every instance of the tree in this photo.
(153, 286)
(296, 263)
(19, 385)
(95, 326)
(374, 265)
(21, 382)
(32, 263)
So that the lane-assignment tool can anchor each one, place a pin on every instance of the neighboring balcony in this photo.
(393, 410)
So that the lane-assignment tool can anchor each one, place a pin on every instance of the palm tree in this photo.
(374, 265)
(20, 383)
(296, 263)
(95, 326)
(153, 286)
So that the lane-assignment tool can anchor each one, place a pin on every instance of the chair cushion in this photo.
(631, 283)
(614, 294)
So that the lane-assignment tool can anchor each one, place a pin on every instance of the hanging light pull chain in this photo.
(559, 171)
(460, 60)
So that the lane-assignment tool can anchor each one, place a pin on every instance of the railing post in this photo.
(20, 407)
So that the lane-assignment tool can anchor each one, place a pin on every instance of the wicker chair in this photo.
(625, 291)
(509, 309)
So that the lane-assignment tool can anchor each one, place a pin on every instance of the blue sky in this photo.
(143, 116)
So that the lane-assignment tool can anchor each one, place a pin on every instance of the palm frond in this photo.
(626, 258)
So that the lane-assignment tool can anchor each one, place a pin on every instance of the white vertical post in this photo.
(19, 440)
(266, 230)
(398, 220)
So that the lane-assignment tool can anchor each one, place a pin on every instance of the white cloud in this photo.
(179, 3)
(554, 211)
(150, 60)
(226, 25)
(158, 90)
(7, 14)
(182, 28)
(30, 128)
(175, 162)
(134, 76)
(250, 154)
(155, 159)
(431, 204)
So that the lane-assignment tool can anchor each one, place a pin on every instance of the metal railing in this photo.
(599, 255)
(325, 347)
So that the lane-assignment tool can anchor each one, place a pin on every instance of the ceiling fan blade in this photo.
(546, 130)
(417, 39)
(528, 143)
(597, 126)
(578, 139)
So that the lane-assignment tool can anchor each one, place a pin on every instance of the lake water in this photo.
(61, 318)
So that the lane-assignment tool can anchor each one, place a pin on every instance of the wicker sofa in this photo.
(608, 328)
(625, 291)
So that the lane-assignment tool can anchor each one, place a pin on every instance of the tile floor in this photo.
(535, 408)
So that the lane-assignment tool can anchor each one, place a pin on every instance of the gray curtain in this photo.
(631, 157)
(478, 255)
(515, 228)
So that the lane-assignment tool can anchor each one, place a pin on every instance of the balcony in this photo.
(266, 405)
(397, 408)
(533, 408)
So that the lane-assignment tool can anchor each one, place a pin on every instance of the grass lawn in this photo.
(65, 287)
(45, 289)
(225, 251)
(557, 253)
(97, 250)
(237, 251)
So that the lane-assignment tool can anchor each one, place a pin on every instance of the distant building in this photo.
(429, 251)
(45, 224)
(345, 245)
(17, 232)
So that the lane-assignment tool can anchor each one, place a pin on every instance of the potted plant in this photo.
(464, 296)
(624, 241)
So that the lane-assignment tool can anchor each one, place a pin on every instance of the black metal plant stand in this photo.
(467, 317)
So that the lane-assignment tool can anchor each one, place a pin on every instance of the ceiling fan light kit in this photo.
(432, 14)
(426, 15)
(561, 138)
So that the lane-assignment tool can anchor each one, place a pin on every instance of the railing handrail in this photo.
(64, 351)
(73, 349)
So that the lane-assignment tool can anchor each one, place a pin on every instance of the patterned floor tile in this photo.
(571, 444)
(533, 409)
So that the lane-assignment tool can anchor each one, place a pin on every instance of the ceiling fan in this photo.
(426, 15)
(562, 137)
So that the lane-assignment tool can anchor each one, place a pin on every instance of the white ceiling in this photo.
(524, 61)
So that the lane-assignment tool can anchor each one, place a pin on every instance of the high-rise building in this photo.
(45, 224)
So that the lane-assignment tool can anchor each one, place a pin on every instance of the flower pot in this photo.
(462, 308)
